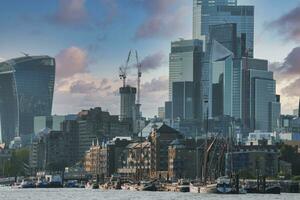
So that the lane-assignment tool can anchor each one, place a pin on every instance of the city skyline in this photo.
(98, 42)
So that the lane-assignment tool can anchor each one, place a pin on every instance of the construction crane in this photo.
(123, 69)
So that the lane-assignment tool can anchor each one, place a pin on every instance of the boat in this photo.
(147, 186)
(224, 185)
(42, 184)
(54, 181)
(183, 186)
(194, 188)
(208, 189)
(274, 189)
(27, 184)
(90, 185)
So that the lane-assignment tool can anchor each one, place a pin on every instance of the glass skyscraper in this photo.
(213, 12)
(26, 91)
(185, 65)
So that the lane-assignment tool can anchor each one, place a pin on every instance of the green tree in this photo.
(16, 165)
(290, 154)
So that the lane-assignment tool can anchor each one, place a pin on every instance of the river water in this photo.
(83, 194)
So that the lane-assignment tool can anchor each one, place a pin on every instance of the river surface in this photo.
(84, 194)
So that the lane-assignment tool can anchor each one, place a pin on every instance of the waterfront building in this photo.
(160, 139)
(96, 161)
(184, 161)
(136, 160)
(259, 138)
(26, 87)
(252, 160)
(93, 124)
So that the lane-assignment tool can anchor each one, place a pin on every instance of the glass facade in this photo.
(183, 100)
(207, 13)
(185, 62)
(26, 88)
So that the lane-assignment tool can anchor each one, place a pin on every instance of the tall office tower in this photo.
(26, 88)
(183, 100)
(208, 12)
(239, 87)
(264, 108)
(224, 74)
(185, 65)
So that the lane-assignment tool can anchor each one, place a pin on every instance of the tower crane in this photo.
(123, 69)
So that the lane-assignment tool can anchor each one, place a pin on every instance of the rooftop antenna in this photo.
(25, 54)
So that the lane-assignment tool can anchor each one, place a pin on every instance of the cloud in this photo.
(159, 84)
(288, 69)
(152, 61)
(288, 24)
(70, 61)
(164, 18)
(292, 89)
(287, 76)
(83, 91)
(70, 12)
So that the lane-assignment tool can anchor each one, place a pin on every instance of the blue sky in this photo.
(90, 39)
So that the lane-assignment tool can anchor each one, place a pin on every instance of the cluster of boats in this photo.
(223, 185)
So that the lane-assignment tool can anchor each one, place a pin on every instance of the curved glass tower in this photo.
(26, 90)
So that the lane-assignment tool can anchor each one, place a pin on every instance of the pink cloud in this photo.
(164, 18)
(71, 12)
(70, 61)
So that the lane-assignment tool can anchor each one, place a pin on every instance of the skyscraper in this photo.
(213, 12)
(185, 65)
(183, 100)
(185, 62)
(26, 88)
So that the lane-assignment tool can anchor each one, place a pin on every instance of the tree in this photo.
(16, 165)
(290, 154)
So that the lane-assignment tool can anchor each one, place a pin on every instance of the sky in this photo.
(90, 40)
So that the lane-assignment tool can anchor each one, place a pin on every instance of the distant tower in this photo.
(128, 95)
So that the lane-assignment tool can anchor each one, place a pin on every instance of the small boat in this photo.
(209, 189)
(224, 185)
(90, 185)
(194, 188)
(42, 184)
(274, 189)
(27, 184)
(183, 186)
(147, 186)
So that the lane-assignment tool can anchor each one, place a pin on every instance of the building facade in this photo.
(207, 13)
(27, 85)
(160, 139)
